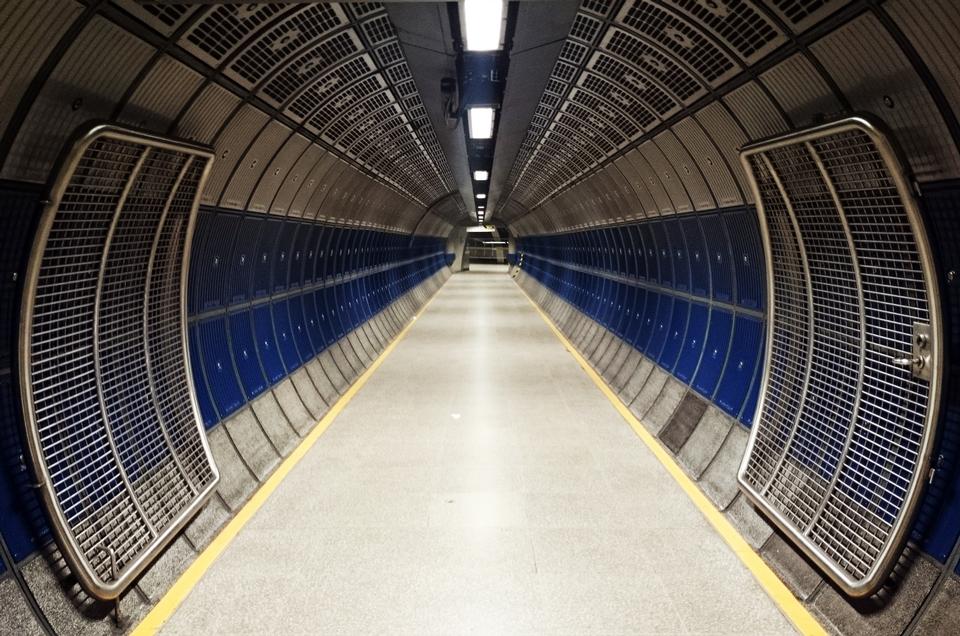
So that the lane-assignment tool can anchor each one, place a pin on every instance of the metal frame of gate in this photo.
(104, 521)
(838, 544)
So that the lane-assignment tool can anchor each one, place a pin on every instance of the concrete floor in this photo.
(479, 483)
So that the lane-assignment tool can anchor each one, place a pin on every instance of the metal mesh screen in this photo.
(111, 419)
(840, 448)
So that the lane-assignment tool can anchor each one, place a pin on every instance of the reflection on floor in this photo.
(478, 483)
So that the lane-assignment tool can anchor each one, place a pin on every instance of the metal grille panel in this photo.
(111, 416)
(840, 449)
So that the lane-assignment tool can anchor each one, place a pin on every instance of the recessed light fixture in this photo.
(481, 196)
(481, 175)
(483, 20)
(480, 119)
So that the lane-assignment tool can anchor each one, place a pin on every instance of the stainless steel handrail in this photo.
(63, 531)
(880, 569)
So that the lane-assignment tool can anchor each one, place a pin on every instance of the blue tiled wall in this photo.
(267, 294)
(22, 524)
(687, 291)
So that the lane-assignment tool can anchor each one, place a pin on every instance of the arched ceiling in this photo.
(613, 109)
(310, 108)
(650, 100)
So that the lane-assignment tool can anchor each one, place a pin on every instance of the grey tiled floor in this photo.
(479, 483)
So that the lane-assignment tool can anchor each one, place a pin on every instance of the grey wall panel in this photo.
(931, 26)
(274, 423)
(712, 164)
(756, 113)
(652, 181)
(863, 48)
(335, 207)
(161, 95)
(646, 206)
(206, 114)
(288, 166)
(251, 167)
(230, 147)
(668, 177)
(313, 182)
(631, 204)
(687, 170)
(801, 90)
(28, 32)
(87, 84)
(307, 390)
(705, 441)
(336, 171)
(237, 482)
(728, 137)
(252, 443)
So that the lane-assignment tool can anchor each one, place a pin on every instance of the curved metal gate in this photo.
(840, 450)
(111, 418)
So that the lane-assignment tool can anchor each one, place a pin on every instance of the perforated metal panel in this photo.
(111, 418)
(840, 449)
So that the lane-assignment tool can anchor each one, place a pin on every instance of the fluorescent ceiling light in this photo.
(481, 122)
(482, 23)
(481, 175)
(481, 196)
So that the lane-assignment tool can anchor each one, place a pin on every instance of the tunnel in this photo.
(489, 316)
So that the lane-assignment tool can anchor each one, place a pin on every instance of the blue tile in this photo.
(715, 352)
(679, 255)
(242, 260)
(698, 256)
(693, 342)
(244, 350)
(661, 326)
(284, 331)
(676, 331)
(267, 344)
(748, 260)
(204, 401)
(218, 366)
(718, 250)
(265, 256)
(283, 257)
(738, 373)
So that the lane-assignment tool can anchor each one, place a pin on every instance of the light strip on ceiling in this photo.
(483, 21)
(480, 119)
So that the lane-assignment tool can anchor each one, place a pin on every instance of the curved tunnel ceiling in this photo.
(650, 100)
(310, 108)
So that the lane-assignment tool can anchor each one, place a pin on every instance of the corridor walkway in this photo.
(478, 483)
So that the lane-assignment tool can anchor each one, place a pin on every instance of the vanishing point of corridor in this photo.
(478, 483)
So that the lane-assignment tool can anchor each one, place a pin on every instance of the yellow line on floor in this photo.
(164, 609)
(791, 607)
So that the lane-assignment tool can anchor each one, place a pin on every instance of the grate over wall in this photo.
(841, 446)
(111, 417)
